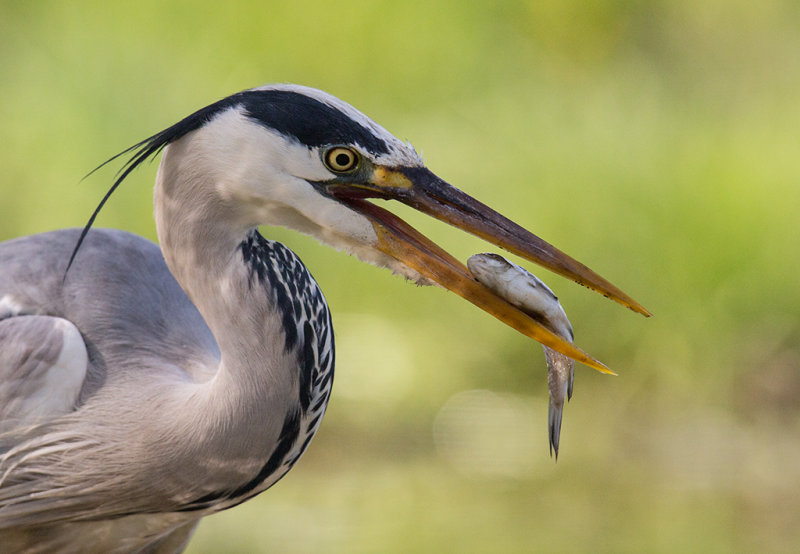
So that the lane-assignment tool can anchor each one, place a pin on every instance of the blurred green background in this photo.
(658, 142)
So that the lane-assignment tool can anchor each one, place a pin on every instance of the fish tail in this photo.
(554, 425)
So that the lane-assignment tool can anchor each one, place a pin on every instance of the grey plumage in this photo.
(147, 339)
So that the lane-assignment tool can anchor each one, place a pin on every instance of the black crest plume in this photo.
(147, 148)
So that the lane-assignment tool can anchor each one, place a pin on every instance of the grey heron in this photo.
(151, 385)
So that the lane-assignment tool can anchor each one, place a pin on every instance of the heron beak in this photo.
(424, 191)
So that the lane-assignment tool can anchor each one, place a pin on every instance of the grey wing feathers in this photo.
(118, 293)
(121, 319)
(43, 364)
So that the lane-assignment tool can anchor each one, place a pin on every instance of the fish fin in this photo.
(571, 383)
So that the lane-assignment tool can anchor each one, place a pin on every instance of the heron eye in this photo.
(341, 159)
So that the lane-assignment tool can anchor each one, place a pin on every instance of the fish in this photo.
(527, 292)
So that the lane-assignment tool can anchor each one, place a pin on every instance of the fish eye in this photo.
(341, 159)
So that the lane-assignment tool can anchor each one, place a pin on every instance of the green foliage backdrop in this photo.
(655, 141)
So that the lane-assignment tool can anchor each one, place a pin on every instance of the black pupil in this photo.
(342, 159)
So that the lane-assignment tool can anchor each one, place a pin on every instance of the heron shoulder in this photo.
(43, 364)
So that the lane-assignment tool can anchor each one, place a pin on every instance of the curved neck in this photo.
(201, 236)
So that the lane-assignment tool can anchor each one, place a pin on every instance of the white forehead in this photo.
(400, 153)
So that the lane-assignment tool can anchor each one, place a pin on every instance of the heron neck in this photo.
(272, 327)
(200, 236)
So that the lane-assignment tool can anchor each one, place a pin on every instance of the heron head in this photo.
(301, 158)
